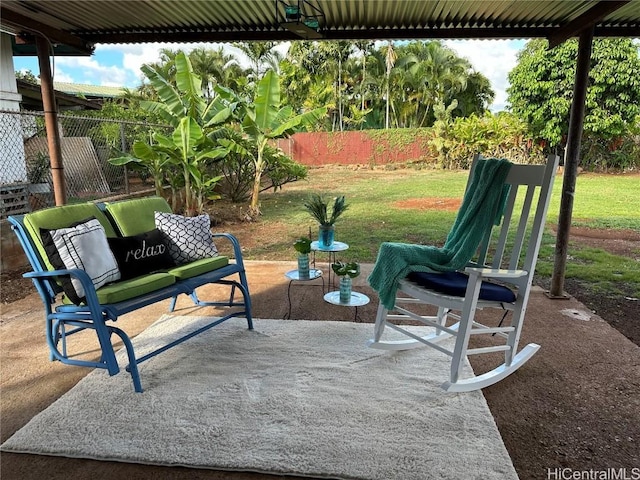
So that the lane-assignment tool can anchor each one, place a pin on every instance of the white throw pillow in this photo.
(188, 238)
(83, 246)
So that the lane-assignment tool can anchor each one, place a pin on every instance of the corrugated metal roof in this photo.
(88, 90)
(122, 21)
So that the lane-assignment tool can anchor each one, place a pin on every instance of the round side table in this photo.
(357, 300)
(332, 249)
(294, 276)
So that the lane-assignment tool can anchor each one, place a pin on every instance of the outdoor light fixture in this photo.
(300, 17)
(292, 13)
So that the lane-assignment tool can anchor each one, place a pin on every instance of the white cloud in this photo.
(61, 76)
(494, 59)
(88, 70)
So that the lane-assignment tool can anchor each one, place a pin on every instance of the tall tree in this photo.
(542, 88)
(390, 60)
(364, 47)
(214, 67)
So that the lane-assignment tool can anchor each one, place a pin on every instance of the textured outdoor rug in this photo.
(291, 397)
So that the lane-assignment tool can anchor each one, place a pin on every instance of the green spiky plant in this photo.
(318, 208)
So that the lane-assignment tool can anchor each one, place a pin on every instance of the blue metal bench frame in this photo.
(63, 320)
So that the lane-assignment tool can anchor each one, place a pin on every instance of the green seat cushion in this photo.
(133, 217)
(126, 289)
(199, 267)
(62, 217)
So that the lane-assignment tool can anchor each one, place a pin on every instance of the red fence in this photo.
(369, 147)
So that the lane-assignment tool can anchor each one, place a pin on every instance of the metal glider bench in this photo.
(99, 308)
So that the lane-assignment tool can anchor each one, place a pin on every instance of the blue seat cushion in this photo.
(455, 284)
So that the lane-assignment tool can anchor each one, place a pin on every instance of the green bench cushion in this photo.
(62, 217)
(134, 287)
(136, 216)
(199, 267)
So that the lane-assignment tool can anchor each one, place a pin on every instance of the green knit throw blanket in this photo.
(481, 208)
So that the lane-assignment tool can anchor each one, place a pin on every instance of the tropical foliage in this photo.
(502, 135)
(181, 156)
(265, 119)
(215, 135)
(393, 85)
(542, 89)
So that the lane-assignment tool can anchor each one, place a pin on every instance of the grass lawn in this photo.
(419, 206)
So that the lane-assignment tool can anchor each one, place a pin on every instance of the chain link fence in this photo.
(86, 143)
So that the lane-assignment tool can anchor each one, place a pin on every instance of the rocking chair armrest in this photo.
(497, 273)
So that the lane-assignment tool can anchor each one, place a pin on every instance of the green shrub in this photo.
(238, 168)
(502, 135)
(620, 154)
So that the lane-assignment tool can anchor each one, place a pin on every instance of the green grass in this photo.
(373, 216)
(602, 201)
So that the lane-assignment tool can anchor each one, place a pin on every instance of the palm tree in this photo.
(390, 60)
(260, 54)
(212, 66)
(365, 47)
(447, 73)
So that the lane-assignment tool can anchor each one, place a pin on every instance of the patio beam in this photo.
(571, 161)
(26, 24)
(584, 21)
(51, 121)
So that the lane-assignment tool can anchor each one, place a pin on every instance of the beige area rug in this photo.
(291, 397)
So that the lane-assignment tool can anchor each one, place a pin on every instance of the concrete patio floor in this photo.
(576, 403)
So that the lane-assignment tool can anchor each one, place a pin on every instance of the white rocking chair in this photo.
(477, 287)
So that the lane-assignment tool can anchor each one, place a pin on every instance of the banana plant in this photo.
(188, 148)
(148, 156)
(265, 120)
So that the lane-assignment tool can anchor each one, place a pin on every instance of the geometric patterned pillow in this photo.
(83, 246)
(188, 238)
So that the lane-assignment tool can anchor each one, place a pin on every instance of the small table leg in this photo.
(287, 316)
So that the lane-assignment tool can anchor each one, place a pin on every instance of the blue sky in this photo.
(119, 65)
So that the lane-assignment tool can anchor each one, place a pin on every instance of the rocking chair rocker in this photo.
(498, 278)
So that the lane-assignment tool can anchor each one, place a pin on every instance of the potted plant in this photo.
(319, 210)
(303, 246)
(346, 272)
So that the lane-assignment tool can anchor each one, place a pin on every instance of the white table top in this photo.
(357, 299)
(295, 275)
(334, 247)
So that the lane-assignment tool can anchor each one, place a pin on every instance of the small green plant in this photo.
(318, 208)
(352, 269)
(38, 169)
(303, 245)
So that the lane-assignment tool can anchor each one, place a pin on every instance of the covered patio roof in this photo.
(81, 24)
